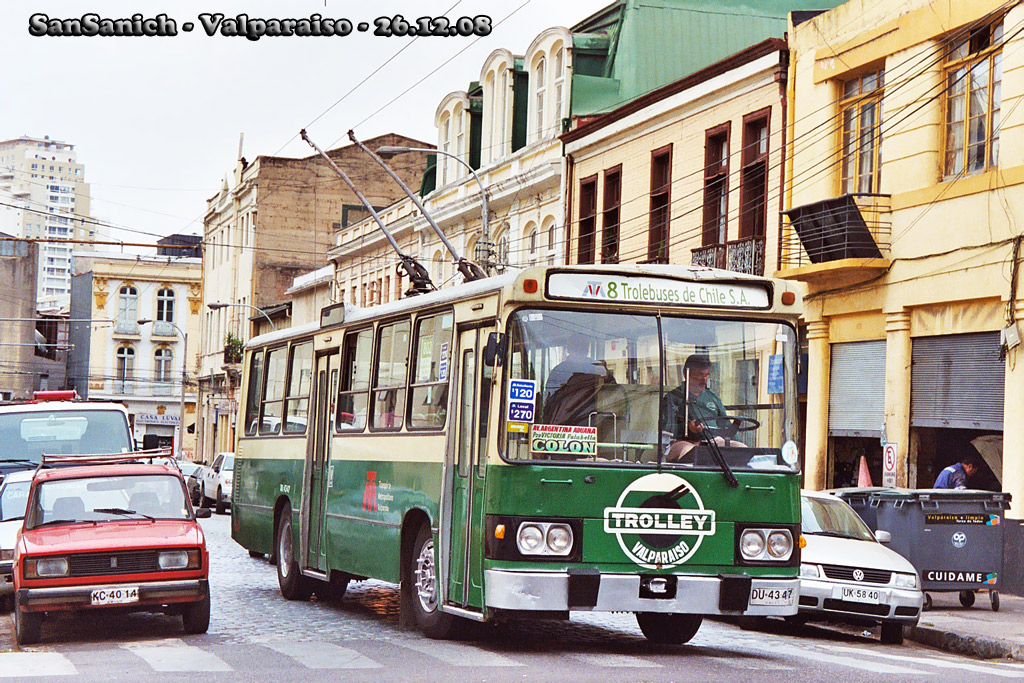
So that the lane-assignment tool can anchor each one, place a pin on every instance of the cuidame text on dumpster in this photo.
(949, 576)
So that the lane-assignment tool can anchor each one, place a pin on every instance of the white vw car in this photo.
(216, 486)
(846, 574)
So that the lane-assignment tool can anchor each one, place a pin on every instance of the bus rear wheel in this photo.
(425, 596)
(668, 629)
(294, 586)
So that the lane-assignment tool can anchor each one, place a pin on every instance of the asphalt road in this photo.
(256, 635)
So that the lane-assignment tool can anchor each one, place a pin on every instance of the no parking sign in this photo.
(889, 452)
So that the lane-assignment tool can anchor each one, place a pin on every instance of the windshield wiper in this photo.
(65, 521)
(716, 451)
(122, 511)
(22, 460)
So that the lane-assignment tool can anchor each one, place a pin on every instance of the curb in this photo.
(975, 646)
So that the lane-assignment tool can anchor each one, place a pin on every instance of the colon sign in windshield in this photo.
(606, 387)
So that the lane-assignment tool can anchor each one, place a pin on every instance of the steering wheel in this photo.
(737, 423)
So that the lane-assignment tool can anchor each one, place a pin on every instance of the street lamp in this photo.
(216, 305)
(389, 151)
(184, 376)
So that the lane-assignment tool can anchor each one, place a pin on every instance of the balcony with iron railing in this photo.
(744, 255)
(839, 241)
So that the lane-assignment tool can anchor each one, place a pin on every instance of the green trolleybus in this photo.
(558, 438)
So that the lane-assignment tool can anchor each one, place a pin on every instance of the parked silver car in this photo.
(13, 499)
(847, 574)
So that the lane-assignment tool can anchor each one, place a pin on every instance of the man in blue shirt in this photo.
(955, 476)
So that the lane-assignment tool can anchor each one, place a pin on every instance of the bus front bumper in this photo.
(685, 594)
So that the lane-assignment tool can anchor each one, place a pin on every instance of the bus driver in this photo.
(691, 406)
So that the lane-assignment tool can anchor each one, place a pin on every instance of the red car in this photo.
(110, 535)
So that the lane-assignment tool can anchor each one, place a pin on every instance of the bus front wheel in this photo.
(294, 586)
(668, 629)
(423, 575)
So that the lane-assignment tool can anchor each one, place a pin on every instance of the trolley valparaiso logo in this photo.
(653, 527)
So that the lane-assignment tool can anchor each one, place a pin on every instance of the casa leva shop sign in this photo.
(154, 419)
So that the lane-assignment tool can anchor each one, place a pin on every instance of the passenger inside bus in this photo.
(582, 391)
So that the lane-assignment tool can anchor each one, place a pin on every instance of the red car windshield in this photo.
(107, 498)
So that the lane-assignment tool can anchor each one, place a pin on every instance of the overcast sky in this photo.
(156, 121)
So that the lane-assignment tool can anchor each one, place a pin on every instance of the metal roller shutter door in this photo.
(856, 394)
(957, 381)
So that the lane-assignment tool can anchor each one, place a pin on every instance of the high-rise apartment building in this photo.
(43, 195)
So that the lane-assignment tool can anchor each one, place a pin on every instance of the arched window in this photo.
(503, 102)
(128, 310)
(437, 268)
(165, 305)
(501, 250)
(531, 240)
(125, 370)
(163, 360)
(539, 76)
(446, 143)
(459, 148)
(559, 83)
(552, 239)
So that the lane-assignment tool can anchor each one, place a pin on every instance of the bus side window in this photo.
(389, 384)
(299, 382)
(355, 381)
(273, 393)
(429, 400)
(252, 393)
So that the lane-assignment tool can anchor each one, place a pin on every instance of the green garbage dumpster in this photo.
(954, 538)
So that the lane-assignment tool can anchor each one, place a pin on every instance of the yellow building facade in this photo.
(903, 190)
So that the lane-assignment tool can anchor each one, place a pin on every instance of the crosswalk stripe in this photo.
(614, 660)
(959, 665)
(17, 664)
(874, 667)
(322, 655)
(458, 654)
(173, 655)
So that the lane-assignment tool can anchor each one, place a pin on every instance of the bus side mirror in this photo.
(494, 352)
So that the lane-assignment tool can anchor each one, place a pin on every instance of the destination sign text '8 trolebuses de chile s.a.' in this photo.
(656, 290)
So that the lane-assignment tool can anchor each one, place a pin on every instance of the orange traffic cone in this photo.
(863, 476)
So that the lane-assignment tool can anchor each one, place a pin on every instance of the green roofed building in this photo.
(632, 47)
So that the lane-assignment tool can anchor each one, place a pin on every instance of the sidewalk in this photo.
(975, 631)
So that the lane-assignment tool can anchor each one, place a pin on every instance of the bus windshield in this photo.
(641, 389)
(27, 435)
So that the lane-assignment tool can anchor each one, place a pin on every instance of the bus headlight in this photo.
(769, 545)
(524, 538)
(529, 539)
(780, 544)
(752, 544)
(559, 539)
(544, 538)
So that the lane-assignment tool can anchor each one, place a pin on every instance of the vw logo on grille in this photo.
(858, 574)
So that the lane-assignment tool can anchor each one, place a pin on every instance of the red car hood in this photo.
(121, 535)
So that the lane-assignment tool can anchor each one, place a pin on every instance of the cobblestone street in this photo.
(255, 634)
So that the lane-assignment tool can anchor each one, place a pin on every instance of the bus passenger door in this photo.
(318, 457)
(465, 518)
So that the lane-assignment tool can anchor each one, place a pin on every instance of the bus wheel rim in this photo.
(285, 550)
(426, 582)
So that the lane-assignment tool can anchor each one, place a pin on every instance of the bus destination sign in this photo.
(656, 290)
